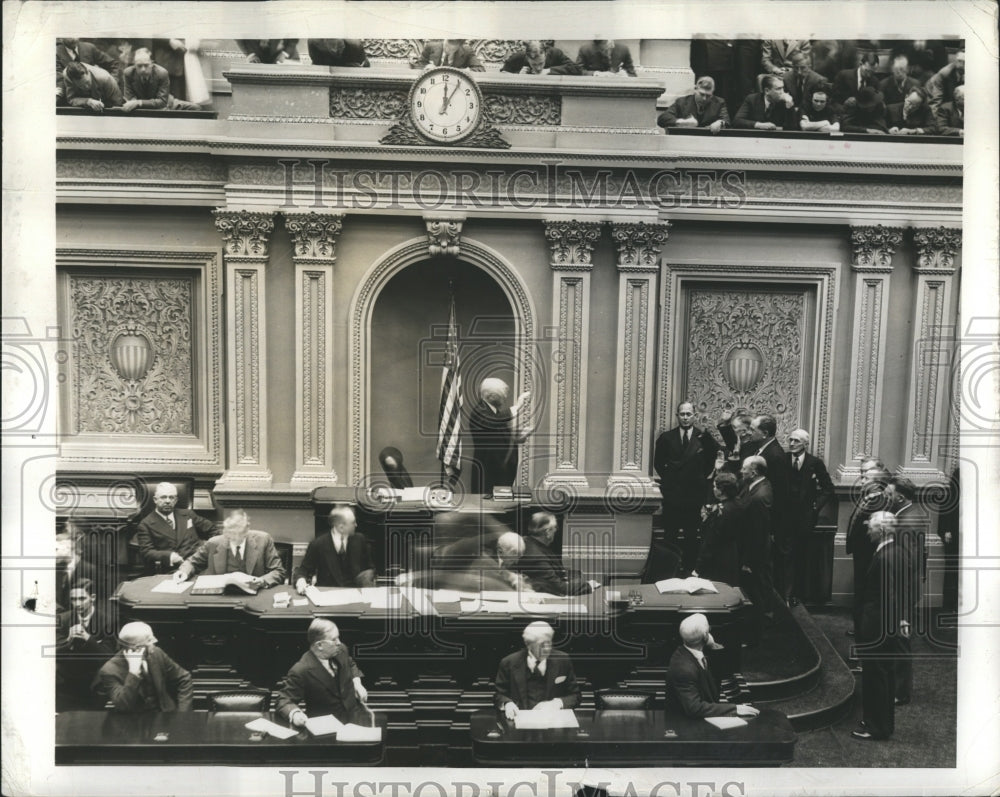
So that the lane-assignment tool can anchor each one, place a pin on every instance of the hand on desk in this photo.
(510, 710)
(743, 710)
(298, 718)
(301, 586)
(180, 576)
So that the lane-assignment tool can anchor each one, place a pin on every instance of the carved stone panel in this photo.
(745, 350)
(366, 103)
(132, 361)
(523, 109)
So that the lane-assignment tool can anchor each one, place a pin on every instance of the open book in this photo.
(690, 585)
(232, 583)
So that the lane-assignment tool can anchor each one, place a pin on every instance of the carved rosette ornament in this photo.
(244, 233)
(936, 248)
(874, 247)
(444, 235)
(572, 242)
(639, 244)
(314, 235)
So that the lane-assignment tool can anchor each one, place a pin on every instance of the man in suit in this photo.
(700, 109)
(167, 535)
(764, 429)
(809, 490)
(776, 54)
(342, 558)
(899, 83)
(495, 436)
(449, 52)
(691, 688)
(84, 641)
(865, 114)
(543, 567)
(719, 558)
(802, 81)
(72, 567)
(950, 119)
(249, 554)
(871, 499)
(169, 53)
(818, 116)
(684, 458)
(605, 57)
(147, 85)
(848, 83)
(942, 84)
(90, 87)
(912, 117)
(771, 109)
(141, 677)
(755, 504)
(734, 428)
(326, 678)
(715, 58)
(70, 51)
(884, 631)
(536, 677)
(338, 52)
(537, 59)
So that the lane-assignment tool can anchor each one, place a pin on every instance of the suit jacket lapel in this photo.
(550, 677)
(332, 560)
(250, 554)
(519, 676)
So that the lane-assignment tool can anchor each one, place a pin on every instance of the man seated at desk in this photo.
(543, 566)
(141, 677)
(168, 535)
(326, 678)
(537, 677)
(691, 687)
(341, 558)
(237, 550)
(83, 643)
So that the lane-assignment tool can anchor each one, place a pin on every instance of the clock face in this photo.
(445, 104)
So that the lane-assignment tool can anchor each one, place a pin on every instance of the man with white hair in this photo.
(140, 677)
(543, 566)
(495, 436)
(250, 554)
(168, 535)
(536, 677)
(809, 490)
(691, 688)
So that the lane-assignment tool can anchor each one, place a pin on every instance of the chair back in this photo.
(240, 700)
(284, 550)
(621, 699)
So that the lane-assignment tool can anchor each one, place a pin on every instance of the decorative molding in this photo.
(396, 49)
(314, 235)
(936, 249)
(191, 168)
(405, 134)
(244, 233)
(495, 51)
(444, 235)
(639, 244)
(523, 109)
(572, 243)
(358, 102)
(873, 248)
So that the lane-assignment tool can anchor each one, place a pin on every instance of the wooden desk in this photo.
(634, 738)
(198, 737)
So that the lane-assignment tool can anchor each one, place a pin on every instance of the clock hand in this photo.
(447, 102)
(444, 98)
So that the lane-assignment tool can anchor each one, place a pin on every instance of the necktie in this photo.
(170, 521)
(798, 462)
(447, 59)
(685, 436)
(703, 663)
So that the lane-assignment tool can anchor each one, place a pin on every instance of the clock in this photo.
(445, 104)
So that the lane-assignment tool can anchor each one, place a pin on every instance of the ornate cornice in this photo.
(936, 249)
(314, 235)
(244, 233)
(444, 234)
(874, 247)
(572, 243)
(639, 244)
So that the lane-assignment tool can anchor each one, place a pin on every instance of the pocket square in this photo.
(190, 523)
(560, 679)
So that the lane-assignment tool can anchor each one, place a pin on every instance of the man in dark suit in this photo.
(771, 109)
(942, 84)
(884, 631)
(605, 57)
(684, 458)
(543, 567)
(809, 490)
(865, 114)
(899, 83)
(326, 678)
(691, 688)
(700, 109)
(764, 428)
(734, 428)
(755, 503)
(871, 499)
(719, 557)
(147, 85)
(537, 59)
(342, 558)
(338, 52)
(69, 51)
(251, 555)
(912, 117)
(849, 82)
(950, 116)
(141, 677)
(449, 52)
(167, 535)
(84, 641)
(90, 87)
(536, 677)
(495, 436)
(802, 81)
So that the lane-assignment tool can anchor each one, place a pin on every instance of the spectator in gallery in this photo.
(342, 558)
(801, 81)
(537, 59)
(326, 679)
(699, 109)
(496, 435)
(269, 51)
(866, 114)
(84, 641)
(776, 54)
(170, 53)
(90, 87)
(536, 677)
(950, 119)
(605, 57)
(140, 677)
(849, 83)
(542, 565)
(692, 690)
(448, 52)
(338, 52)
(69, 51)
(715, 58)
(810, 489)
(770, 109)
(818, 116)
(168, 535)
(941, 86)
(240, 550)
(147, 85)
(898, 84)
(912, 117)
(719, 558)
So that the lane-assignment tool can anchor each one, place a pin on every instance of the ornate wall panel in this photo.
(745, 350)
(349, 102)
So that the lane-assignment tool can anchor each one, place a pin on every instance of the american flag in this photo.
(449, 447)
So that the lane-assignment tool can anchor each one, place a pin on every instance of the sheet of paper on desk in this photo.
(274, 729)
(690, 585)
(337, 596)
(420, 600)
(541, 720)
(358, 733)
(381, 597)
(171, 587)
(726, 722)
(322, 726)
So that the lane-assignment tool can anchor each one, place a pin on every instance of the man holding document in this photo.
(249, 555)
(537, 677)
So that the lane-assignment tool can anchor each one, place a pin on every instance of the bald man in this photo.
(536, 677)
(168, 535)
(141, 677)
(691, 688)
(496, 435)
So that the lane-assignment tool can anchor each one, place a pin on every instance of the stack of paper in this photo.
(266, 726)
(690, 585)
(323, 726)
(726, 722)
(337, 596)
(171, 587)
(541, 720)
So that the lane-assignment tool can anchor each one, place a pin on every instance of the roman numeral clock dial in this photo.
(445, 105)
